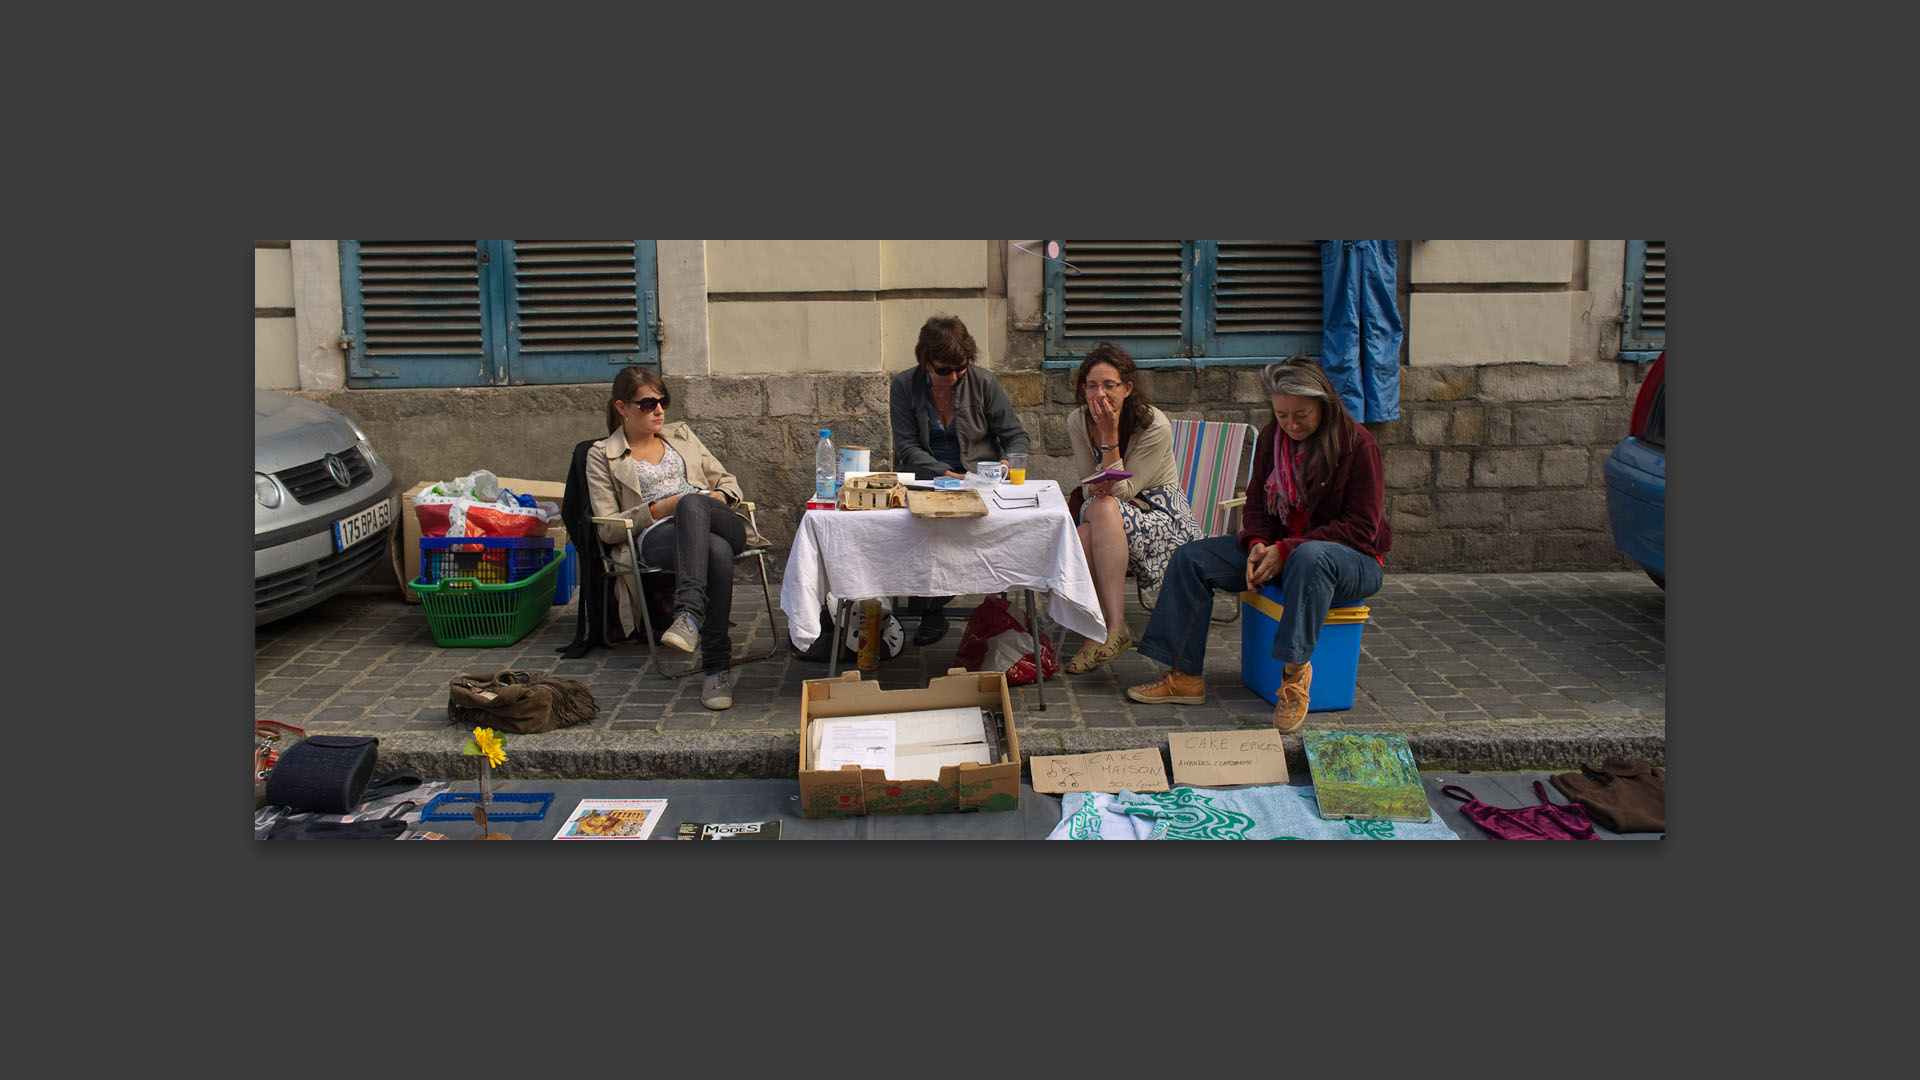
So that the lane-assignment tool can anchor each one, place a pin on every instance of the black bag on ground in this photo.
(324, 773)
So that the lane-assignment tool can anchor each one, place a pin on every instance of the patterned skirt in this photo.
(1157, 521)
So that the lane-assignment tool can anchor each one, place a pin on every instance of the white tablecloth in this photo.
(859, 554)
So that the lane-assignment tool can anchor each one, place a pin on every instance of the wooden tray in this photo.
(965, 502)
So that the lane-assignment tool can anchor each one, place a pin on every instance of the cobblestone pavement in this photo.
(1515, 671)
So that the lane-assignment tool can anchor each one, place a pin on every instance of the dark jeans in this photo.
(1317, 577)
(700, 541)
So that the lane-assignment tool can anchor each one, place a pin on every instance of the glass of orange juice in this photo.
(1016, 468)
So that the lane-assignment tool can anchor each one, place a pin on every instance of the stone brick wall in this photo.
(1488, 468)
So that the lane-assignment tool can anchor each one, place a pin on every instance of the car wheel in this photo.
(1658, 579)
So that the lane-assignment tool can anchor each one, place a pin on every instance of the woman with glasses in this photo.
(663, 478)
(948, 414)
(1126, 525)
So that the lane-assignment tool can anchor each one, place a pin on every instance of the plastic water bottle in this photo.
(826, 463)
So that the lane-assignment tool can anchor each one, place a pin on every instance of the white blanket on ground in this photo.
(874, 553)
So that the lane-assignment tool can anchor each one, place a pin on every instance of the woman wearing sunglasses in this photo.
(949, 414)
(663, 478)
(1131, 525)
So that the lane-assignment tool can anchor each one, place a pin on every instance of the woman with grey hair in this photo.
(1315, 522)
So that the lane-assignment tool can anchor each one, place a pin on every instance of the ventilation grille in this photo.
(1125, 288)
(1653, 288)
(576, 296)
(421, 297)
(1268, 286)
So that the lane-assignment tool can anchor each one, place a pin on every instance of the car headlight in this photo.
(366, 448)
(265, 491)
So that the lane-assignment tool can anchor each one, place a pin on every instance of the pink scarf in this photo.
(1286, 487)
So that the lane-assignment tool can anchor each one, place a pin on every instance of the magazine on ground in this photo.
(612, 819)
(726, 830)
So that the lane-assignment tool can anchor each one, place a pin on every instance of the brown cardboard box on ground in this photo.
(406, 551)
(851, 791)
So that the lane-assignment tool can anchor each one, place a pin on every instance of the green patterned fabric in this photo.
(1271, 812)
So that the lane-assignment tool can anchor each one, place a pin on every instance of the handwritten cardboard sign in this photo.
(1224, 758)
(1109, 771)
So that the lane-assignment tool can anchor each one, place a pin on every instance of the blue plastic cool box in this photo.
(1336, 656)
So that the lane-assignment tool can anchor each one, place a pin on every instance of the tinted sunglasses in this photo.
(949, 370)
(646, 404)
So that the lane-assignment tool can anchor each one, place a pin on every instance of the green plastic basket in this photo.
(466, 614)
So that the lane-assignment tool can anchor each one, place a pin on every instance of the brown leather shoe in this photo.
(1175, 687)
(1291, 710)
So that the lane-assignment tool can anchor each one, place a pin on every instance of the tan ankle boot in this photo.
(1175, 687)
(1291, 710)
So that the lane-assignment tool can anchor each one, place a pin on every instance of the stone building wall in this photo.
(1510, 396)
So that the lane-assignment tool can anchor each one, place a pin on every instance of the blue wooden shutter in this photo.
(497, 312)
(1133, 293)
(1258, 300)
(1644, 332)
(579, 310)
(420, 312)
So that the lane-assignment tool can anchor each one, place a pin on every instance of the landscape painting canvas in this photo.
(1366, 776)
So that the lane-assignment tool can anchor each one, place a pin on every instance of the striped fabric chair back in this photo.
(1211, 456)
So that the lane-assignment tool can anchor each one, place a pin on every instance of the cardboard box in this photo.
(851, 791)
(406, 544)
(872, 491)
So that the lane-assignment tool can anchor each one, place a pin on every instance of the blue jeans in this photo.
(1317, 577)
(1356, 288)
(699, 542)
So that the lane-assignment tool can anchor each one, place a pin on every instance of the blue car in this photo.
(1636, 475)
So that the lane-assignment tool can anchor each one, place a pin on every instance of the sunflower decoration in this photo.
(485, 741)
(486, 745)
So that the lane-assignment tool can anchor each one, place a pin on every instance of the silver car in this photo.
(323, 504)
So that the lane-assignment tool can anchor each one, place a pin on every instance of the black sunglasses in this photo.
(646, 404)
(949, 370)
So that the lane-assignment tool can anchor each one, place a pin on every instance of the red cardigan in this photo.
(1349, 508)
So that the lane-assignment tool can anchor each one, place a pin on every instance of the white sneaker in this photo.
(684, 634)
(717, 692)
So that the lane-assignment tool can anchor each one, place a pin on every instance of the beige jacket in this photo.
(613, 488)
(1149, 457)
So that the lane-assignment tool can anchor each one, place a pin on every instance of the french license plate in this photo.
(350, 531)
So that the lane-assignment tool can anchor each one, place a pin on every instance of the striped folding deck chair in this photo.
(1211, 457)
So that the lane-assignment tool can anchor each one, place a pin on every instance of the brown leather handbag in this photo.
(521, 702)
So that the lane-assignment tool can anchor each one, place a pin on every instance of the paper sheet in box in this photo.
(852, 791)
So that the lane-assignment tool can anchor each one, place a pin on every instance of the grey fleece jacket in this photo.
(983, 418)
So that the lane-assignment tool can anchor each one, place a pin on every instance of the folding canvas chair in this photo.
(618, 565)
(1211, 457)
(600, 566)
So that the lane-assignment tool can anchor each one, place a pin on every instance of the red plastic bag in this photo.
(496, 519)
(995, 639)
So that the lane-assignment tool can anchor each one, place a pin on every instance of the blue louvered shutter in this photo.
(580, 310)
(1185, 301)
(1261, 301)
(418, 313)
(1130, 292)
(496, 312)
(1644, 332)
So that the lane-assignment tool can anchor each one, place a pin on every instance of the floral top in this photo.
(662, 481)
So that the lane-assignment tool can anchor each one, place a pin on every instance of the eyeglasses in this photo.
(949, 370)
(1109, 386)
(647, 404)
